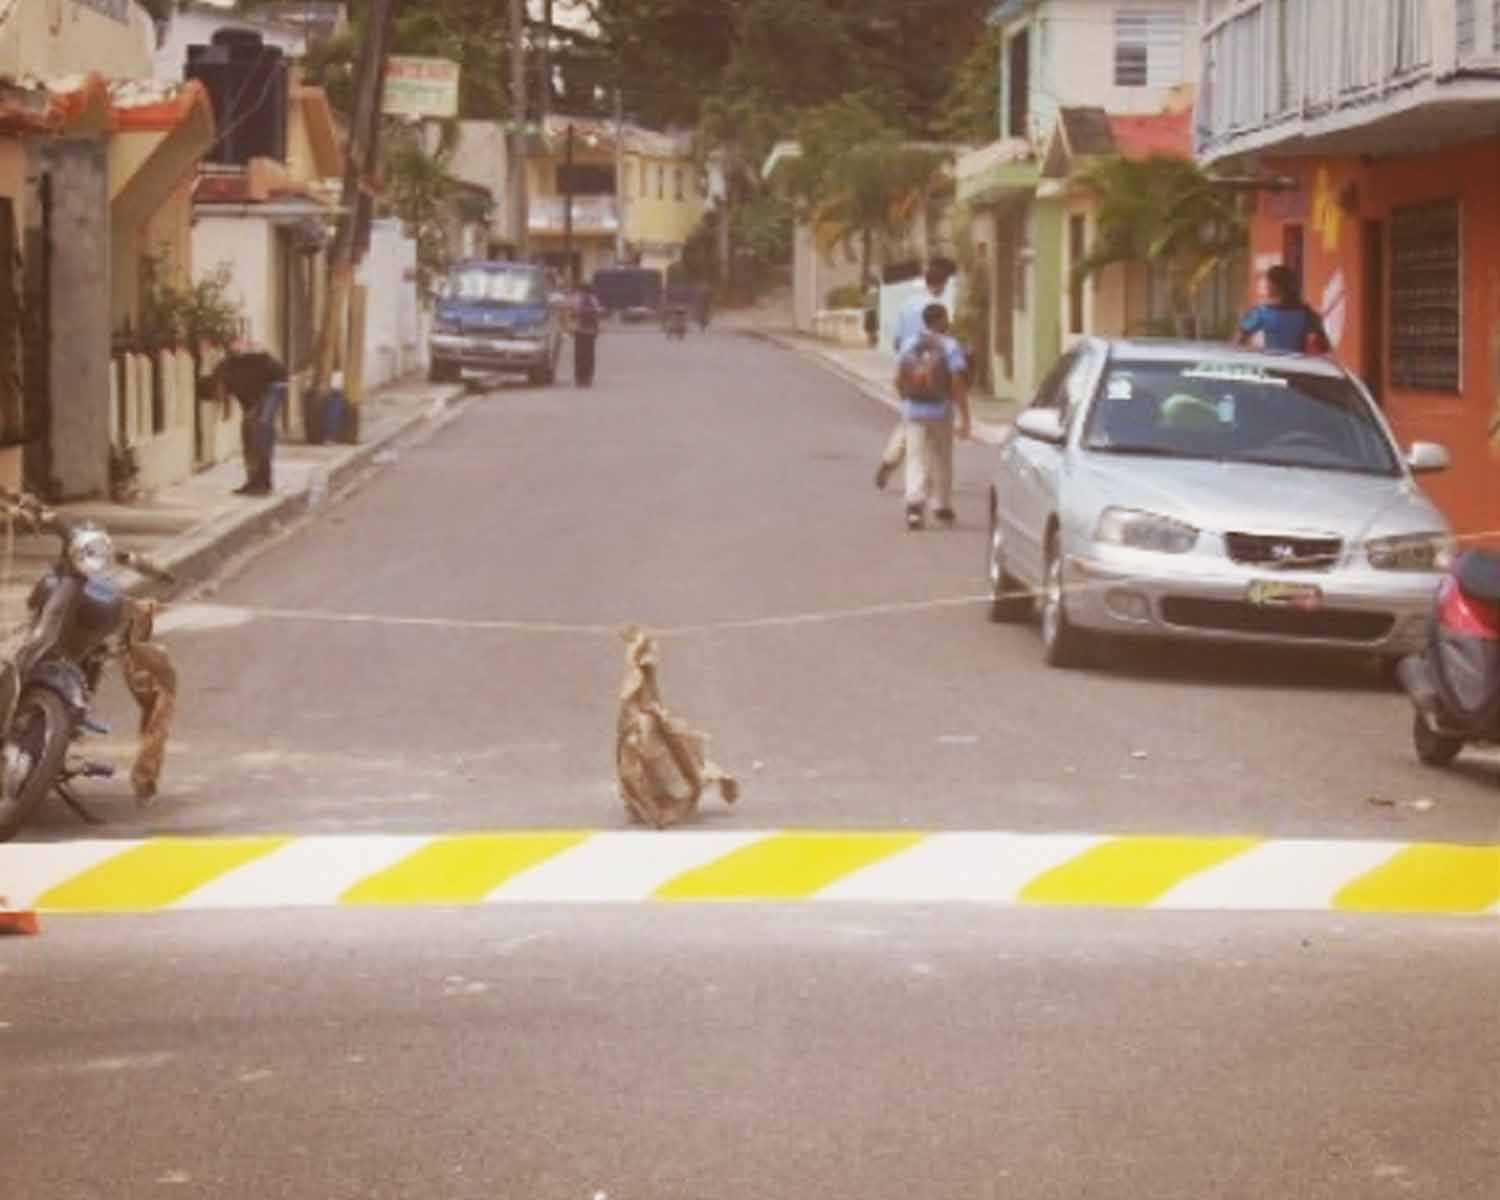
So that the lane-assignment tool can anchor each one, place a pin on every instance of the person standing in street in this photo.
(258, 380)
(908, 328)
(583, 321)
(930, 377)
(1286, 321)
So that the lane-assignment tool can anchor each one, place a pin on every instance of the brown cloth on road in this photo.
(152, 680)
(662, 764)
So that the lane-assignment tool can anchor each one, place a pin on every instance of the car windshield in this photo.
(1230, 411)
(497, 287)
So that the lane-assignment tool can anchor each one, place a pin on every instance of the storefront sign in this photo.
(421, 87)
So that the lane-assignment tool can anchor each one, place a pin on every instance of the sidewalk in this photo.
(192, 528)
(869, 369)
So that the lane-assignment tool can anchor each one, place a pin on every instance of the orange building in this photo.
(1369, 127)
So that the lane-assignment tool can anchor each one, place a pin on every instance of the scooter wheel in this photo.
(1434, 749)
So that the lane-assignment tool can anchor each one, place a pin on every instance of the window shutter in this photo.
(1148, 47)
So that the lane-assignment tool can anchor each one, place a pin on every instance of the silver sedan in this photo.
(1192, 490)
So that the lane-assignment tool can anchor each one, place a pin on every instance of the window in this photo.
(1426, 297)
(1148, 47)
(585, 179)
(661, 182)
(677, 184)
(1018, 86)
(1077, 249)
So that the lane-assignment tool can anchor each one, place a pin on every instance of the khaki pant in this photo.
(929, 463)
(895, 446)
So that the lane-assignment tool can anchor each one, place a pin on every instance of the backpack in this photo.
(586, 316)
(924, 374)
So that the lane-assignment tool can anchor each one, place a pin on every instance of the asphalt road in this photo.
(438, 651)
(749, 1054)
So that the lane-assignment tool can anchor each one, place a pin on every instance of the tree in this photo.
(970, 111)
(1164, 211)
(422, 193)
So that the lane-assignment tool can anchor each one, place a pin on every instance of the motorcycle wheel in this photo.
(42, 728)
(1434, 749)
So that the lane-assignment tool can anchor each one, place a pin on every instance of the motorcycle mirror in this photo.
(1425, 457)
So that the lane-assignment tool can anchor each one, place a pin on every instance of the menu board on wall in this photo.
(1427, 297)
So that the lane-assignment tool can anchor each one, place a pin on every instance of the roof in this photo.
(1157, 133)
(1086, 131)
(598, 133)
(91, 101)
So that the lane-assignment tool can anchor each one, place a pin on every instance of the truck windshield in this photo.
(496, 287)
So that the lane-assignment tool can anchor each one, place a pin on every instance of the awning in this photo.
(999, 173)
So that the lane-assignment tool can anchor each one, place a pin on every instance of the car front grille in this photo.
(1284, 553)
(1234, 616)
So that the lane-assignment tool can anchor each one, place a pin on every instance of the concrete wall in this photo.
(393, 338)
(80, 435)
(50, 39)
(815, 274)
(250, 246)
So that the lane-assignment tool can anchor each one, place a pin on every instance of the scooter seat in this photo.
(1478, 574)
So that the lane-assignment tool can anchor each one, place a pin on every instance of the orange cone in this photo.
(17, 920)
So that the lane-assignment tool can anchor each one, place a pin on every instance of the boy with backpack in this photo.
(930, 375)
(1287, 322)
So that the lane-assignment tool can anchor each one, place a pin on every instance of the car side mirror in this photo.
(1043, 424)
(1425, 457)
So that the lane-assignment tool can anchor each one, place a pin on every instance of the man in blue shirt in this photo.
(931, 375)
(1286, 323)
(908, 326)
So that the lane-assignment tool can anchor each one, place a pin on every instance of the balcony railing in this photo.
(1287, 63)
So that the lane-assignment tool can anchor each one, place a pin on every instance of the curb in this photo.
(198, 554)
(1162, 873)
(987, 433)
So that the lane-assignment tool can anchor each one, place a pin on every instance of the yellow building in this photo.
(635, 203)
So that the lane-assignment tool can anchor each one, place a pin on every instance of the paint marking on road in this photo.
(154, 874)
(983, 867)
(462, 869)
(1427, 879)
(1131, 872)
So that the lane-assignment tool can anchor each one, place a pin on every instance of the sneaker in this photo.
(946, 515)
(883, 474)
(913, 517)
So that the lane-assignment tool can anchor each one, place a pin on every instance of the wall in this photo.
(80, 436)
(653, 221)
(814, 275)
(51, 39)
(1335, 198)
(393, 342)
(249, 245)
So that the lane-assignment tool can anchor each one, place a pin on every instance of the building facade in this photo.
(1370, 124)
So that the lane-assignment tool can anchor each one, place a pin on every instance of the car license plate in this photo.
(1282, 593)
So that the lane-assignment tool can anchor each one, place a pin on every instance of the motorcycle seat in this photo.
(1478, 573)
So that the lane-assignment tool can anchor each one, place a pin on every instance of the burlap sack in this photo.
(152, 680)
(662, 764)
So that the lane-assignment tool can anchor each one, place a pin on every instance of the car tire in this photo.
(1010, 602)
(1434, 749)
(442, 371)
(1063, 644)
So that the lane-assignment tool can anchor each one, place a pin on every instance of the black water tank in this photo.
(247, 82)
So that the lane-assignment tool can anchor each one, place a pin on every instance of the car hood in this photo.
(1220, 497)
(478, 315)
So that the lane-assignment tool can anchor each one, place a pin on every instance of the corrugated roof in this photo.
(1159, 133)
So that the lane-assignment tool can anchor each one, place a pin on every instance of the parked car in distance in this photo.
(1192, 490)
(496, 316)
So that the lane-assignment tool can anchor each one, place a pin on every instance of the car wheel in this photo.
(1009, 600)
(1434, 749)
(1063, 645)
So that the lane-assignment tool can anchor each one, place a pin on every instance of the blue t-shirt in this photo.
(923, 408)
(1285, 326)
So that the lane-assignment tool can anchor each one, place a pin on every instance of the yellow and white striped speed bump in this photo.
(1242, 873)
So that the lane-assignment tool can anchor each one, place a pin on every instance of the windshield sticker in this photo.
(1233, 373)
(1120, 389)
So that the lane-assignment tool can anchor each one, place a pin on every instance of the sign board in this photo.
(420, 87)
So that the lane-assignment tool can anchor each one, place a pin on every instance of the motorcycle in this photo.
(1454, 683)
(79, 619)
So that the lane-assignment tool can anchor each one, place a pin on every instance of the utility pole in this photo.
(516, 158)
(361, 157)
(546, 57)
(568, 209)
(619, 176)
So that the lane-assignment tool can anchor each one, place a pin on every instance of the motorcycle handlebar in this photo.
(145, 566)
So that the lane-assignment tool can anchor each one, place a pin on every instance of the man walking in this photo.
(930, 376)
(583, 320)
(257, 379)
(1287, 322)
(909, 327)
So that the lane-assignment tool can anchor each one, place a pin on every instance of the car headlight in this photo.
(1145, 531)
(1411, 552)
(91, 551)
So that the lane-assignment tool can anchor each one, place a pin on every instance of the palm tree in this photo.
(1168, 212)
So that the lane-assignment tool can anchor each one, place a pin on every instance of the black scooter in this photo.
(1455, 682)
(79, 619)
